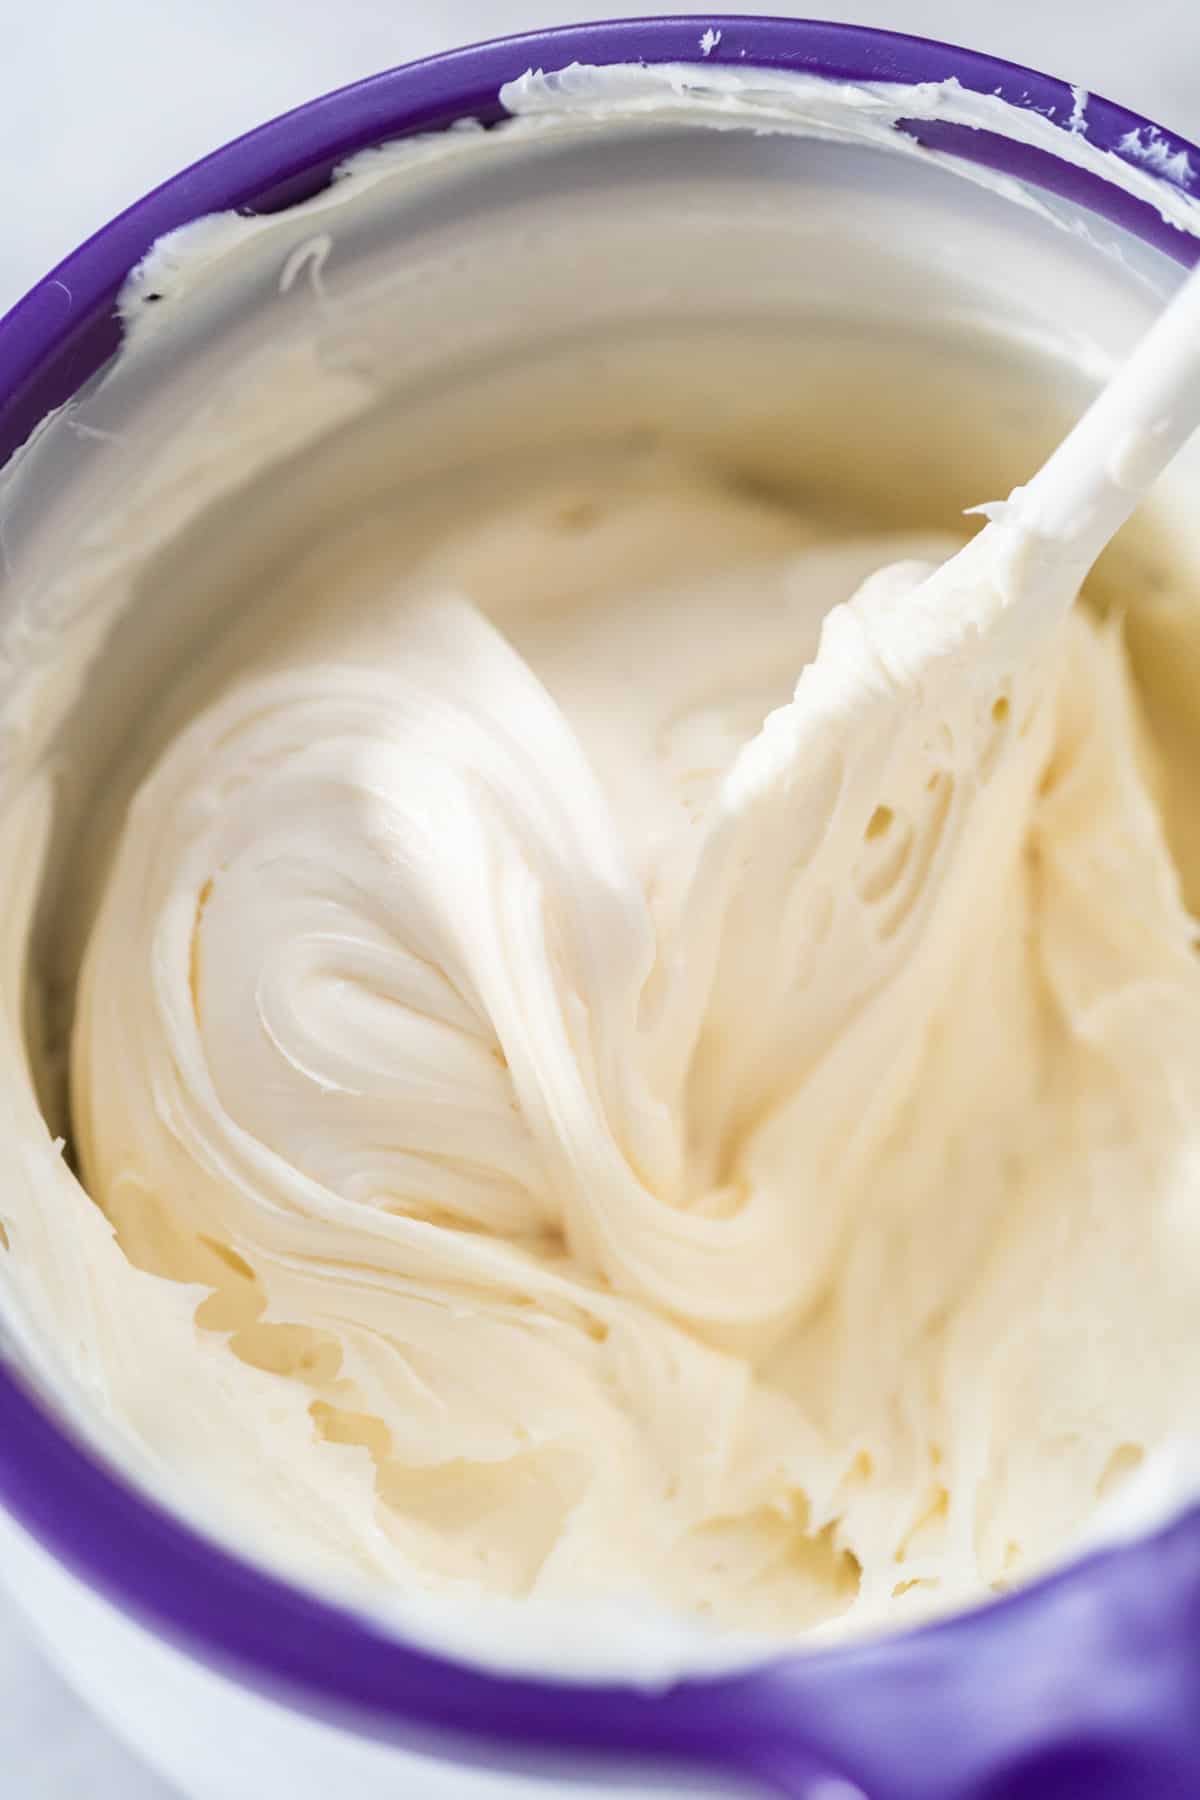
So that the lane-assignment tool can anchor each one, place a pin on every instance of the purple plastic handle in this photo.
(1084, 1684)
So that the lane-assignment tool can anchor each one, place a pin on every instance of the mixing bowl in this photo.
(870, 270)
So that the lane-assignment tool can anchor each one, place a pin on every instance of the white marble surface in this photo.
(100, 102)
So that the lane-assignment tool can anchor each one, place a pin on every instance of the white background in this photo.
(102, 99)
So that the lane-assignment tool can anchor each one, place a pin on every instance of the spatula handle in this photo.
(1096, 477)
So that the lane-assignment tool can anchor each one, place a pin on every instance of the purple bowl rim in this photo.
(275, 163)
(218, 1606)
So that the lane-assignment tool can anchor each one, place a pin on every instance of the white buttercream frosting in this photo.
(686, 1137)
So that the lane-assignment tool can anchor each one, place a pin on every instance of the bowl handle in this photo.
(1083, 1686)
